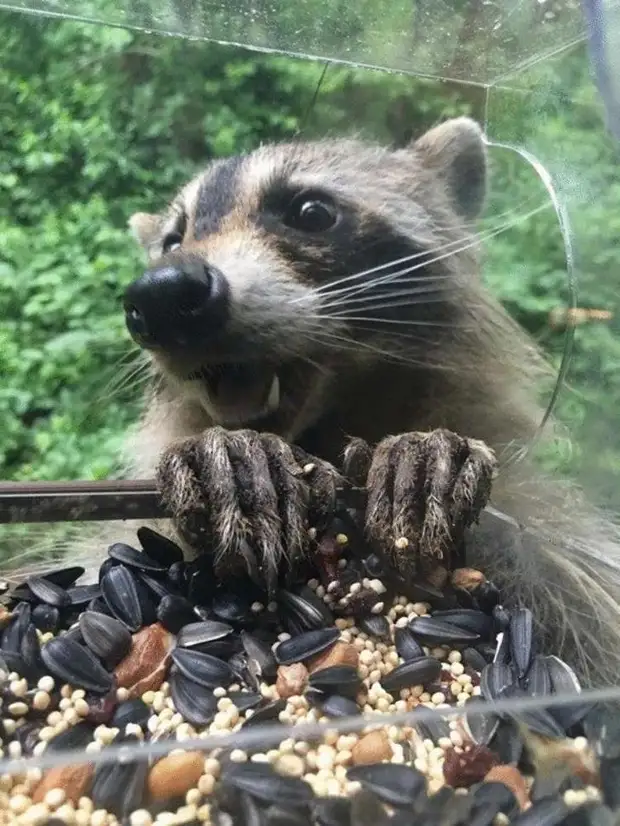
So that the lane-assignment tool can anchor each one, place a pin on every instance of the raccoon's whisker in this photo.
(394, 321)
(417, 289)
(459, 246)
(345, 343)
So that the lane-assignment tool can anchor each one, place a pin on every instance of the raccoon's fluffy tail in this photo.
(564, 564)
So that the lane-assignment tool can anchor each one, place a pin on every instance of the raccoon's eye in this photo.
(172, 242)
(311, 212)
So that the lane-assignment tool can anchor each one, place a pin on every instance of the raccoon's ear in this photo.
(145, 228)
(456, 152)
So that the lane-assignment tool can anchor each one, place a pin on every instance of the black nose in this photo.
(176, 304)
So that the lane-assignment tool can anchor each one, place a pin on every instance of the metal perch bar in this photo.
(86, 501)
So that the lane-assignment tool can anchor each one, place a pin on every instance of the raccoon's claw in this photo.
(246, 497)
(424, 490)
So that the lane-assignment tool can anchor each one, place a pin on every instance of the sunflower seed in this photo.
(12, 635)
(120, 592)
(602, 729)
(83, 594)
(429, 631)
(106, 636)
(265, 713)
(197, 633)
(202, 668)
(232, 607)
(48, 592)
(74, 664)
(65, 577)
(376, 626)
(497, 796)
(407, 647)
(473, 659)
(158, 547)
(481, 726)
(563, 678)
(260, 653)
(31, 654)
(174, 612)
(332, 811)
(306, 609)
(157, 589)
(521, 639)
(431, 728)
(336, 679)
(610, 781)
(487, 596)
(119, 787)
(538, 679)
(468, 619)
(279, 816)
(301, 648)
(393, 784)
(495, 680)
(335, 705)
(245, 700)
(131, 711)
(193, 701)
(135, 559)
(501, 618)
(45, 617)
(507, 742)
(75, 737)
(262, 782)
(415, 672)
(547, 812)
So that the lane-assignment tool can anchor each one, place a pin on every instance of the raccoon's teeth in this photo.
(273, 400)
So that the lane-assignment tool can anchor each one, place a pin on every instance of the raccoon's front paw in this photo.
(246, 497)
(424, 490)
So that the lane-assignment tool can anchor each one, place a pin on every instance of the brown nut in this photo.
(511, 777)
(343, 653)
(175, 774)
(471, 765)
(291, 680)
(74, 780)
(145, 667)
(467, 578)
(371, 748)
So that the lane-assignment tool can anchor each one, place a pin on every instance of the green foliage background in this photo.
(97, 123)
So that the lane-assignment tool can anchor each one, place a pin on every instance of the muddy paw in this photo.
(246, 497)
(424, 490)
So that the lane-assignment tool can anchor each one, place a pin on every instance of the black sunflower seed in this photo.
(120, 787)
(157, 589)
(474, 659)
(548, 812)
(610, 781)
(262, 782)
(415, 672)
(501, 619)
(375, 625)
(430, 631)
(602, 729)
(198, 633)
(538, 680)
(431, 728)
(131, 711)
(158, 547)
(481, 727)
(507, 742)
(495, 680)
(75, 665)
(65, 577)
(31, 654)
(135, 559)
(194, 702)
(393, 784)
(12, 635)
(75, 737)
(277, 815)
(45, 617)
(48, 592)
(232, 607)
(335, 705)
(468, 619)
(336, 679)
(307, 645)
(83, 594)
(106, 636)
(497, 796)
(265, 713)
(245, 700)
(174, 612)
(179, 576)
(406, 644)
(332, 811)
(119, 589)
(307, 611)
(12, 661)
(487, 596)
(202, 668)
(521, 639)
(563, 678)
(259, 651)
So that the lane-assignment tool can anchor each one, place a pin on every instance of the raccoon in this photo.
(314, 312)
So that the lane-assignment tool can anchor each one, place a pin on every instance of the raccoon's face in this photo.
(272, 273)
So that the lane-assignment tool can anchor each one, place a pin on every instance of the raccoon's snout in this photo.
(177, 303)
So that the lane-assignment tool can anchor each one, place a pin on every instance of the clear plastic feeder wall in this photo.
(138, 692)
